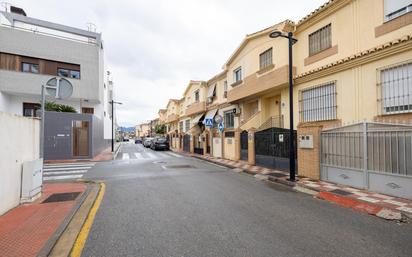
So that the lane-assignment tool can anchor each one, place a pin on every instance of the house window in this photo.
(74, 74)
(396, 88)
(31, 109)
(265, 59)
(396, 8)
(229, 119)
(181, 126)
(87, 110)
(318, 103)
(187, 125)
(30, 67)
(320, 40)
(237, 74)
(225, 89)
(197, 96)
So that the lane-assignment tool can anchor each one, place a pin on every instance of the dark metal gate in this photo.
(244, 145)
(272, 148)
(186, 143)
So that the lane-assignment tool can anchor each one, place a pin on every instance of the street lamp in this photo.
(292, 41)
(112, 102)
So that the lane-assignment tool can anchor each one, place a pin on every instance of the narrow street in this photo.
(163, 204)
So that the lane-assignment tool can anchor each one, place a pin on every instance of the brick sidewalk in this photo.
(326, 190)
(25, 229)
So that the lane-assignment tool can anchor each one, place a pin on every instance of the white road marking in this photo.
(164, 155)
(68, 168)
(63, 172)
(60, 165)
(138, 156)
(151, 155)
(175, 155)
(62, 177)
(125, 156)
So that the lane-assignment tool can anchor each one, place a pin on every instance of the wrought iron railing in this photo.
(272, 122)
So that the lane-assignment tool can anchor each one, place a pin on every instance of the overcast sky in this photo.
(154, 47)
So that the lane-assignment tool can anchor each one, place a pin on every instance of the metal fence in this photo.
(380, 147)
(371, 155)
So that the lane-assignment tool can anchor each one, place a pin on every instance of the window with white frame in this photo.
(396, 8)
(229, 119)
(396, 88)
(197, 96)
(265, 59)
(237, 75)
(320, 40)
(318, 103)
(187, 125)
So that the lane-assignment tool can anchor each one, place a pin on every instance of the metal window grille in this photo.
(320, 40)
(395, 85)
(229, 119)
(265, 58)
(225, 89)
(187, 125)
(237, 74)
(318, 103)
(197, 96)
(181, 126)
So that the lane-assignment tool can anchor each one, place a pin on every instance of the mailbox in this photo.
(306, 141)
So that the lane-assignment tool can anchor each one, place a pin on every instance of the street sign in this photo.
(218, 119)
(221, 127)
(209, 122)
(59, 88)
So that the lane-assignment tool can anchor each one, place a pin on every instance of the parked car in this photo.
(159, 143)
(138, 140)
(147, 141)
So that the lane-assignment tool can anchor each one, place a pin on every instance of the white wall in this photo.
(20, 143)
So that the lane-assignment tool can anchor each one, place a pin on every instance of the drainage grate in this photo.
(277, 175)
(180, 167)
(340, 192)
(61, 197)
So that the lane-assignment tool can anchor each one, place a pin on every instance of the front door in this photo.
(80, 143)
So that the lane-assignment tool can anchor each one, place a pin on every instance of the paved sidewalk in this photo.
(374, 202)
(26, 229)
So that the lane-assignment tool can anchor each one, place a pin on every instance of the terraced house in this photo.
(352, 97)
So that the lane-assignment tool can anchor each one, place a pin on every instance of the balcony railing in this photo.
(272, 122)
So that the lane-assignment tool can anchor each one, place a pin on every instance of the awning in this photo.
(212, 91)
(196, 119)
(210, 114)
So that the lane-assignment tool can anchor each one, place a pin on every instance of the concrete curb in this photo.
(51, 242)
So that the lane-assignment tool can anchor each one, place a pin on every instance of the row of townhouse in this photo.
(32, 51)
(352, 70)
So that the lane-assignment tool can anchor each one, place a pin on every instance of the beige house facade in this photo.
(352, 62)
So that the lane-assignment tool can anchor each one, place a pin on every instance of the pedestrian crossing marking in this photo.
(138, 155)
(152, 155)
(62, 177)
(175, 155)
(126, 156)
(46, 173)
(68, 168)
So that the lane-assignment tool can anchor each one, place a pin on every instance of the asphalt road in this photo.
(154, 208)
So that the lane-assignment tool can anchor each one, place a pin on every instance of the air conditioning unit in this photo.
(210, 100)
(236, 111)
(32, 180)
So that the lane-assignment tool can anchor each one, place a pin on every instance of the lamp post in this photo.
(112, 102)
(291, 42)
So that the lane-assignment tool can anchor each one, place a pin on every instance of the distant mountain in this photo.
(127, 129)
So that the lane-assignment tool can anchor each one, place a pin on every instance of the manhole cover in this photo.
(180, 167)
(340, 192)
(277, 175)
(61, 197)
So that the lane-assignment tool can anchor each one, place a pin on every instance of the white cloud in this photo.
(153, 48)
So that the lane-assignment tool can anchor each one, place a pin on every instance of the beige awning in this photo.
(212, 91)
(210, 114)
(196, 119)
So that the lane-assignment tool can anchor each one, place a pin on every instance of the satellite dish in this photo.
(59, 88)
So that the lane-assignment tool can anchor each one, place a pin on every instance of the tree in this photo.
(55, 107)
(160, 129)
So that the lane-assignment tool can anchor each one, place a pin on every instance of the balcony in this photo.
(258, 84)
(172, 117)
(196, 108)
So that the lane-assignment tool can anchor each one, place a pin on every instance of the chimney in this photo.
(17, 10)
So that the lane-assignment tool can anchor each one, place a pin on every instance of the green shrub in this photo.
(55, 107)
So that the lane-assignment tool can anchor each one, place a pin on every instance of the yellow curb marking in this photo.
(84, 232)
